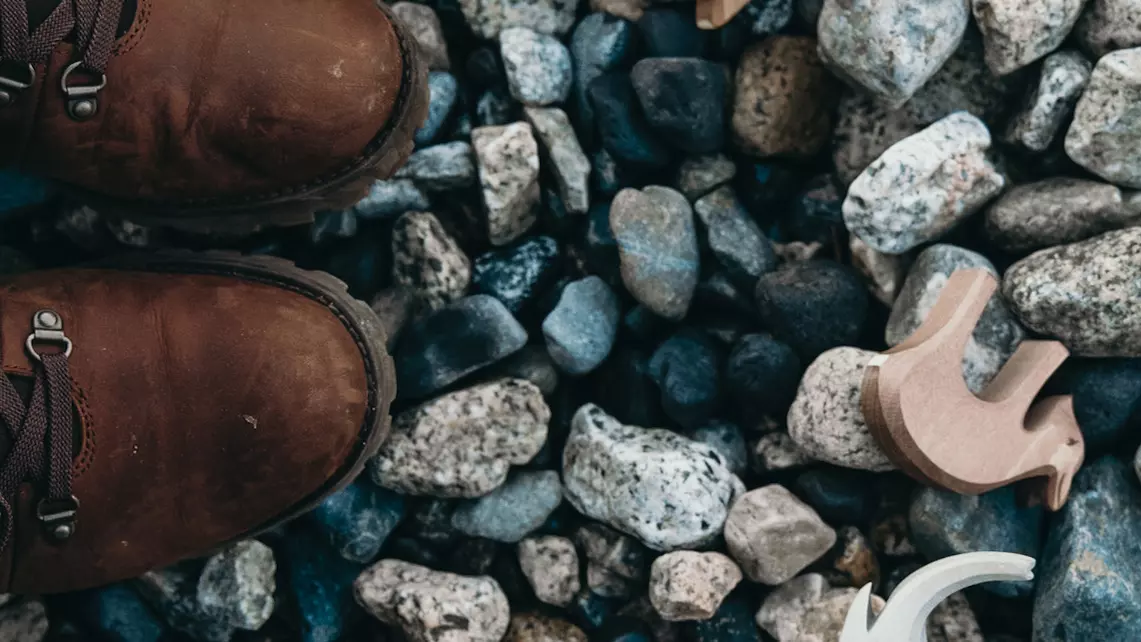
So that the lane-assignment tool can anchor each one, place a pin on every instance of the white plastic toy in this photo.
(904, 619)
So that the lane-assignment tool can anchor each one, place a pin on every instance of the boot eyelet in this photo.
(10, 87)
(82, 101)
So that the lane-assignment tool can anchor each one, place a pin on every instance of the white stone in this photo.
(1105, 136)
(508, 159)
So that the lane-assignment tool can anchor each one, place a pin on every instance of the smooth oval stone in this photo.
(580, 331)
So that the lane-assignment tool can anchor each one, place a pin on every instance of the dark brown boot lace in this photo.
(41, 434)
(94, 23)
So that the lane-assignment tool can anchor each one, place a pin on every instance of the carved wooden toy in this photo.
(904, 618)
(714, 14)
(936, 430)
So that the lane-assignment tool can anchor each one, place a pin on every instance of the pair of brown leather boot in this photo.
(158, 407)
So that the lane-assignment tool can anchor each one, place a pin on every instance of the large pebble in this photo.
(667, 490)
(532, 627)
(773, 535)
(551, 566)
(455, 341)
(440, 168)
(508, 158)
(997, 334)
(1085, 294)
(432, 606)
(1061, 81)
(625, 134)
(813, 305)
(735, 239)
(487, 18)
(538, 66)
(513, 510)
(1108, 25)
(568, 162)
(657, 245)
(1089, 574)
(517, 276)
(687, 369)
(923, 185)
(428, 260)
(1107, 125)
(1056, 211)
(825, 419)
(580, 331)
(684, 101)
(425, 26)
(784, 99)
(686, 585)
(357, 520)
(890, 47)
(1018, 32)
(463, 443)
(601, 42)
(24, 621)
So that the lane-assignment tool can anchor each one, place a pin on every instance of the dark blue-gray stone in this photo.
(357, 520)
(116, 613)
(455, 341)
(813, 306)
(18, 191)
(734, 238)
(580, 331)
(606, 178)
(622, 127)
(687, 369)
(727, 439)
(495, 107)
(512, 511)
(389, 199)
(439, 168)
(839, 495)
(444, 90)
(319, 586)
(624, 388)
(668, 32)
(1089, 574)
(945, 523)
(1107, 400)
(762, 376)
(601, 42)
(733, 622)
(330, 226)
(517, 275)
(683, 99)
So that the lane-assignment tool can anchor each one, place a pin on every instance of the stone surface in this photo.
(428, 260)
(357, 520)
(1018, 32)
(1107, 401)
(923, 186)
(616, 565)
(432, 606)
(622, 127)
(699, 175)
(386, 199)
(422, 21)
(1084, 294)
(1061, 81)
(762, 376)
(118, 613)
(735, 239)
(580, 331)
(538, 66)
(443, 167)
(566, 159)
(513, 510)
(487, 18)
(813, 305)
(657, 246)
(444, 90)
(807, 609)
(666, 490)
(1108, 25)
(463, 443)
(687, 370)
(601, 43)
(784, 99)
(668, 32)
(508, 159)
(319, 583)
(1056, 211)
(24, 621)
(516, 276)
(727, 439)
(776, 452)
(551, 566)
(683, 100)
(686, 585)
(1107, 126)
(773, 535)
(825, 419)
(530, 627)
(997, 334)
(884, 272)
(954, 621)
(890, 47)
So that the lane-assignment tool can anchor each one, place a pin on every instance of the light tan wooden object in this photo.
(714, 14)
(936, 430)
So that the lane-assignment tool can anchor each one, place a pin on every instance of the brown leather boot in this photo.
(160, 407)
(201, 113)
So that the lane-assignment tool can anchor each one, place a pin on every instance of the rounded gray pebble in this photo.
(580, 331)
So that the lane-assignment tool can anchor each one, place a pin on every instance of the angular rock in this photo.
(1018, 32)
(1056, 211)
(666, 490)
(784, 99)
(773, 535)
(530, 627)
(513, 510)
(687, 369)
(357, 520)
(890, 47)
(487, 18)
(683, 100)
(566, 159)
(601, 43)
(1107, 125)
(1083, 294)
(386, 199)
(445, 91)
(580, 331)
(1061, 81)
(432, 606)
(699, 175)
(440, 168)
(425, 26)
(551, 566)
(813, 305)
(686, 585)
(428, 260)
(734, 237)
(463, 443)
(508, 159)
(657, 246)
(517, 276)
(24, 621)
(538, 66)
(825, 419)
(622, 127)
(1108, 25)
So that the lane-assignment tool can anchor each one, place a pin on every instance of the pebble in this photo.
(517, 276)
(567, 161)
(444, 92)
(890, 48)
(358, 520)
(997, 334)
(425, 26)
(944, 524)
(727, 439)
(19, 191)
(1108, 25)
(538, 66)
(784, 99)
(1089, 574)
(428, 260)
(954, 621)
(551, 566)
(734, 238)
(666, 490)
(622, 128)
(1018, 32)
(923, 186)
(508, 159)
(1103, 136)
(733, 622)
(601, 43)
(774, 536)
(1107, 396)
(767, 17)
(631, 10)
(669, 33)
(683, 99)
(319, 584)
(117, 613)
(852, 561)
(776, 452)
(813, 305)
(1056, 211)
(657, 246)
(487, 18)
(808, 609)
(884, 272)
(531, 627)
(700, 175)
(825, 419)
(580, 331)
(839, 495)
(616, 565)
(891, 537)
(762, 375)
(441, 168)
(456, 340)
(687, 585)
(512, 511)
(433, 606)
(495, 107)
(463, 443)
(387, 199)
(24, 621)
(332, 226)
(1084, 294)
(1061, 81)
(687, 369)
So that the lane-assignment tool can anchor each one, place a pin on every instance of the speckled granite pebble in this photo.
(1107, 125)
(687, 585)
(567, 161)
(1056, 211)
(538, 66)
(428, 260)
(1018, 32)
(1108, 25)
(1061, 81)
(773, 535)
(508, 159)
(550, 564)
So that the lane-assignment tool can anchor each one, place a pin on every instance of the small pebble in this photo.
(631, 10)
(357, 520)
(852, 561)
(839, 495)
(440, 168)
(512, 511)
(686, 585)
(616, 564)
(531, 627)
(762, 376)
(551, 566)
(884, 272)
(683, 99)
(669, 33)
(700, 175)
(517, 276)
(954, 621)
(734, 238)
(766, 17)
(808, 609)
(319, 582)
(580, 331)
(1103, 137)
(1108, 25)
(773, 535)
(426, 259)
(733, 622)
(387, 199)
(24, 621)
(567, 161)
(538, 66)
(445, 91)
(623, 129)
(776, 452)
(687, 369)
(1018, 32)
(508, 159)
(727, 439)
(1056, 211)
(487, 18)
(813, 305)
(601, 43)
(422, 21)
(1061, 81)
